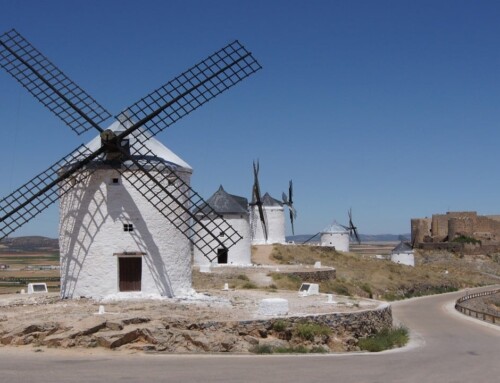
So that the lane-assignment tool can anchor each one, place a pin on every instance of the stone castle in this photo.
(445, 228)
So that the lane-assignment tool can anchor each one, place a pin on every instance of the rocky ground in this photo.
(203, 322)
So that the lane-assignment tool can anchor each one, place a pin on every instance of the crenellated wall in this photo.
(447, 227)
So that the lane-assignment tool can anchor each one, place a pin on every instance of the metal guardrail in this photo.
(487, 317)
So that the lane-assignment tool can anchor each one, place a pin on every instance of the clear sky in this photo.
(388, 107)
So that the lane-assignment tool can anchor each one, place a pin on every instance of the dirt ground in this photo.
(215, 305)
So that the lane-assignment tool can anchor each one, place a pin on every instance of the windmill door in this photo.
(130, 272)
(221, 255)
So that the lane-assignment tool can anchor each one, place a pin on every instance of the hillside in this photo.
(29, 244)
(365, 275)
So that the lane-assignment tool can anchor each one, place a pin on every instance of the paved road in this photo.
(446, 347)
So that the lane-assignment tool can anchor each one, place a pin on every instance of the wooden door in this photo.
(130, 272)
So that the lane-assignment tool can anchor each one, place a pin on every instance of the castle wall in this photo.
(460, 226)
(440, 223)
(447, 227)
(420, 228)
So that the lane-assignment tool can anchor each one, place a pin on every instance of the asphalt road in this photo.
(445, 347)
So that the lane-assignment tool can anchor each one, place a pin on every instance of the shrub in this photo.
(280, 325)
(249, 285)
(385, 339)
(367, 289)
(262, 349)
(243, 277)
(341, 289)
(318, 350)
(465, 239)
(291, 350)
(308, 331)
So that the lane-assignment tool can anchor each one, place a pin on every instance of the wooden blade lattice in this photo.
(168, 193)
(199, 84)
(193, 88)
(49, 85)
(35, 196)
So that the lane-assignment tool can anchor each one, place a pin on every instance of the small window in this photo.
(222, 234)
(115, 181)
(128, 227)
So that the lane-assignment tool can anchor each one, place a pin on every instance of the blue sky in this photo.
(388, 107)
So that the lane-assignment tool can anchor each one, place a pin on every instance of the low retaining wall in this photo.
(353, 325)
(179, 336)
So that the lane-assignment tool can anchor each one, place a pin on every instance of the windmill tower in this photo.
(267, 214)
(234, 210)
(339, 236)
(403, 254)
(336, 236)
(126, 204)
(269, 227)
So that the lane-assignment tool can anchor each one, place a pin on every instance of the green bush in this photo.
(385, 339)
(340, 289)
(308, 331)
(243, 277)
(249, 285)
(465, 239)
(318, 350)
(280, 325)
(262, 349)
(367, 289)
(291, 350)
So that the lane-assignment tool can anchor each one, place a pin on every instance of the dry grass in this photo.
(369, 277)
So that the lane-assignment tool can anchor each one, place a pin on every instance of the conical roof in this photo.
(224, 203)
(402, 247)
(335, 228)
(267, 200)
(145, 146)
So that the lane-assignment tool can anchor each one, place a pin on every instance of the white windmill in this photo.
(267, 214)
(337, 235)
(403, 254)
(234, 210)
(126, 205)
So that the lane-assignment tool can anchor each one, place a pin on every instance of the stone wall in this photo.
(420, 228)
(174, 335)
(444, 228)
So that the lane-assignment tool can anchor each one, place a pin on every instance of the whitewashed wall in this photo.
(404, 258)
(91, 233)
(275, 221)
(338, 240)
(238, 254)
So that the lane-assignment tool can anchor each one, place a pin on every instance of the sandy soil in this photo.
(216, 305)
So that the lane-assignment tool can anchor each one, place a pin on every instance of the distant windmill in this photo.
(288, 201)
(233, 209)
(257, 203)
(267, 215)
(126, 204)
(353, 230)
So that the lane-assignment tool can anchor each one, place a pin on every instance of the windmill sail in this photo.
(153, 113)
(49, 85)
